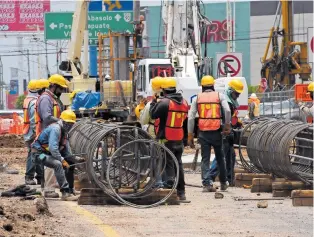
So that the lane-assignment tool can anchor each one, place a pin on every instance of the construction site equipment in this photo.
(287, 59)
(79, 33)
(283, 148)
(123, 161)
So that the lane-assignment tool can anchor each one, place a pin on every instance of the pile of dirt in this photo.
(13, 157)
(12, 140)
(21, 218)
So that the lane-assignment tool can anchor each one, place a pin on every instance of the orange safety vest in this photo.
(209, 111)
(56, 113)
(45, 147)
(177, 113)
(26, 103)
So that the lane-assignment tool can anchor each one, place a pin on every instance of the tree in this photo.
(19, 102)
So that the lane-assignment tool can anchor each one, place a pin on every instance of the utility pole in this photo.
(28, 66)
(57, 50)
(47, 67)
(1, 86)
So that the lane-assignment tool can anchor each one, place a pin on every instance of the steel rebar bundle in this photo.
(283, 148)
(123, 161)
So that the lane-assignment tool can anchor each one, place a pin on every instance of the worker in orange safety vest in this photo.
(35, 88)
(169, 114)
(49, 106)
(308, 110)
(212, 107)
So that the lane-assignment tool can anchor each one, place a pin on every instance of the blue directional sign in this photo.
(111, 5)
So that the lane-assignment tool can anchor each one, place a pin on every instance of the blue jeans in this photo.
(207, 140)
(31, 167)
(230, 158)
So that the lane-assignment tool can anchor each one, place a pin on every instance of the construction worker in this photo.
(29, 133)
(49, 105)
(232, 93)
(254, 106)
(308, 110)
(169, 114)
(146, 121)
(51, 149)
(209, 105)
(139, 28)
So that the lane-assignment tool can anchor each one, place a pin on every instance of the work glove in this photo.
(191, 140)
(65, 164)
(226, 130)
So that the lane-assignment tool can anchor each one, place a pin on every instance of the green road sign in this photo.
(58, 24)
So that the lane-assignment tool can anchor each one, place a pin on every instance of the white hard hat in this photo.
(253, 96)
(107, 77)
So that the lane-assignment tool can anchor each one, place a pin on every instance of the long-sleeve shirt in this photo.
(52, 136)
(146, 121)
(31, 114)
(308, 111)
(193, 111)
(45, 109)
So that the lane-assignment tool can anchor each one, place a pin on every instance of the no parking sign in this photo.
(231, 61)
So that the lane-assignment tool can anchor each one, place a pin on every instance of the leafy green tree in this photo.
(19, 102)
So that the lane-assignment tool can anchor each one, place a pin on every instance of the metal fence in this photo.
(280, 104)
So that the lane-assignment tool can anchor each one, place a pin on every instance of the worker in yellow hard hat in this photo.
(253, 106)
(29, 132)
(308, 110)
(49, 105)
(51, 149)
(169, 114)
(43, 84)
(234, 90)
(210, 106)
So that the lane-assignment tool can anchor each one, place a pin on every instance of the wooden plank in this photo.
(302, 193)
(251, 176)
(288, 185)
(297, 202)
(281, 193)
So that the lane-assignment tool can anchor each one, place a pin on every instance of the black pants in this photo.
(177, 149)
(69, 175)
(209, 139)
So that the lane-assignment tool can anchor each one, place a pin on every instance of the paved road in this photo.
(204, 216)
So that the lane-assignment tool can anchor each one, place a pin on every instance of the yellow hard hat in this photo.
(73, 93)
(236, 85)
(68, 116)
(169, 82)
(58, 79)
(207, 81)
(138, 109)
(32, 85)
(310, 87)
(42, 83)
(156, 83)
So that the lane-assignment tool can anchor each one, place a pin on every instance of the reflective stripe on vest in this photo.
(177, 113)
(56, 113)
(209, 111)
(45, 147)
(26, 118)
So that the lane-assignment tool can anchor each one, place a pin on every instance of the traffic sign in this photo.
(310, 44)
(300, 93)
(58, 24)
(232, 61)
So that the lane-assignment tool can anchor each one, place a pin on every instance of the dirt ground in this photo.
(12, 140)
(204, 216)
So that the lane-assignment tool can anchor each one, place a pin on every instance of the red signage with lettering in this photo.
(23, 15)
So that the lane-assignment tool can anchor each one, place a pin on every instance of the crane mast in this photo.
(183, 41)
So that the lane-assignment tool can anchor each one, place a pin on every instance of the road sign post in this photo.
(232, 61)
(58, 24)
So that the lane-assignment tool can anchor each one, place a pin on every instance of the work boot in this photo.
(224, 186)
(209, 188)
(29, 181)
(38, 181)
(51, 194)
(74, 192)
(69, 197)
(181, 196)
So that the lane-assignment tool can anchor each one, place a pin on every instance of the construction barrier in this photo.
(12, 126)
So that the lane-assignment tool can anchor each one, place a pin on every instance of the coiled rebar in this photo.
(283, 148)
(123, 161)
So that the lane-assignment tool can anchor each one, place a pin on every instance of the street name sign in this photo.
(58, 24)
